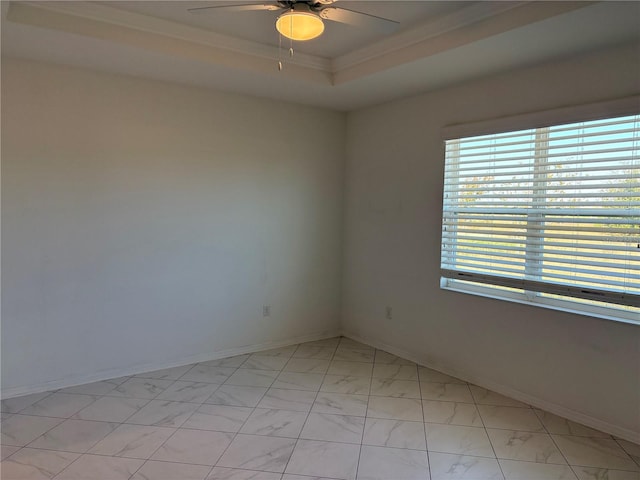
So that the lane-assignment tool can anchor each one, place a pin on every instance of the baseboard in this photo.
(149, 367)
(556, 409)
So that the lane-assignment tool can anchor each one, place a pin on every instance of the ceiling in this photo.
(337, 40)
(438, 43)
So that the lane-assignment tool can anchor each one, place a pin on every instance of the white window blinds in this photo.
(551, 212)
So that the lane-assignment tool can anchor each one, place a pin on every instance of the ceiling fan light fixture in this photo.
(300, 24)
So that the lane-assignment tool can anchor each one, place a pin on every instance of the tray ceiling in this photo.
(438, 43)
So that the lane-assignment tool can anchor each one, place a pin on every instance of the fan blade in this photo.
(235, 8)
(359, 19)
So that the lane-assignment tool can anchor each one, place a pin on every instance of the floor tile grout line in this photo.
(552, 436)
(533, 462)
(57, 475)
(235, 434)
(424, 424)
(366, 414)
(588, 466)
(9, 456)
(486, 432)
(44, 433)
(27, 406)
(144, 461)
(637, 462)
(491, 443)
(573, 466)
(134, 413)
(235, 369)
(159, 447)
(553, 440)
(495, 455)
(147, 400)
(309, 412)
(497, 459)
(63, 419)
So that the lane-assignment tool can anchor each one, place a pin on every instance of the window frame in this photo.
(489, 286)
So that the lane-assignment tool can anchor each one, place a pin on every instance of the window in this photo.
(547, 216)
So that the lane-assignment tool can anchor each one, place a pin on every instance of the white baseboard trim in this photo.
(620, 432)
(73, 381)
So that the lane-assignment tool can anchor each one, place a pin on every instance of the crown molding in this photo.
(424, 31)
(69, 16)
(470, 24)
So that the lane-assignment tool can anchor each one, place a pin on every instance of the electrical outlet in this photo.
(266, 311)
(389, 313)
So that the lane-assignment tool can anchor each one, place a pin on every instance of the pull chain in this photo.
(279, 52)
(291, 38)
(280, 66)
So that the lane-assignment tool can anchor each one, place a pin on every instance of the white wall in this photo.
(581, 366)
(145, 224)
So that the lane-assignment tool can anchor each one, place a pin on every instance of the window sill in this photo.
(566, 306)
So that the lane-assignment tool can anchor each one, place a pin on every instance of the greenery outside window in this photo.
(547, 215)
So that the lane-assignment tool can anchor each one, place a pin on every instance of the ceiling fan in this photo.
(303, 19)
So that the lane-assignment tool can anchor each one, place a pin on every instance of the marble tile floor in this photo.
(333, 409)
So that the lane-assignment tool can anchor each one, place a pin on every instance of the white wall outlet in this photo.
(266, 311)
(389, 313)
